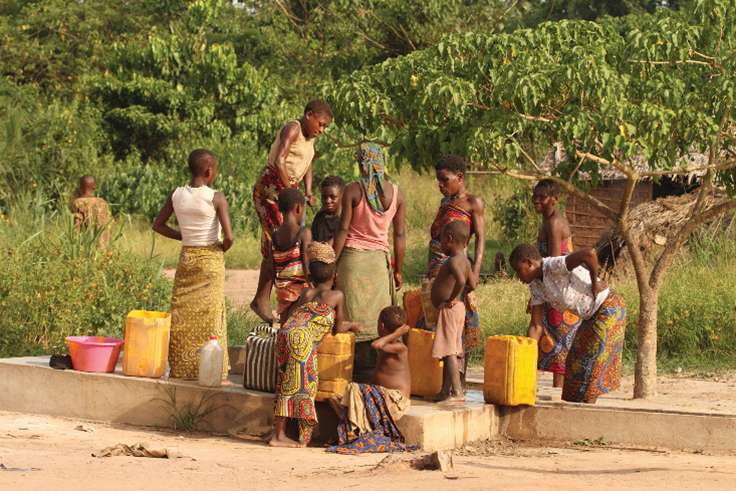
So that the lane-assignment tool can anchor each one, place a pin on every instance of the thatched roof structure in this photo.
(557, 154)
(653, 223)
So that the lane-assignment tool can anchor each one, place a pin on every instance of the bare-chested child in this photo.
(556, 332)
(452, 278)
(361, 430)
(287, 262)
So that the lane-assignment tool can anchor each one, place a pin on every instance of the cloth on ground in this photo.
(448, 337)
(141, 449)
(61, 362)
(368, 422)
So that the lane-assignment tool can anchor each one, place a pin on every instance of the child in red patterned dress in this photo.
(287, 263)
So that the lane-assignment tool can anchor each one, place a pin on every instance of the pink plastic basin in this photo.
(94, 353)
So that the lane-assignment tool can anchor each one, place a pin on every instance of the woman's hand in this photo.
(352, 326)
(398, 280)
(598, 287)
(311, 200)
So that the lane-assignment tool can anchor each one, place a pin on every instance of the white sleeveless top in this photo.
(198, 220)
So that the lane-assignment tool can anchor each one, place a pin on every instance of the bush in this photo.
(515, 216)
(57, 284)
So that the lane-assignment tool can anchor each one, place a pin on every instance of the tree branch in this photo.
(726, 164)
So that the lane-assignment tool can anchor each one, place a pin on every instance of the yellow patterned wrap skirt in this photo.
(197, 309)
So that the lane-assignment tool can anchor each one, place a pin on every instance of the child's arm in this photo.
(159, 224)
(589, 260)
(399, 223)
(479, 225)
(289, 134)
(311, 199)
(271, 268)
(220, 203)
(305, 239)
(460, 281)
(535, 325)
(386, 343)
(341, 326)
(473, 279)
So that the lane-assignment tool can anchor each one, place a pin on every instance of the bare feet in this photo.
(283, 441)
(442, 397)
(590, 401)
(226, 382)
(262, 311)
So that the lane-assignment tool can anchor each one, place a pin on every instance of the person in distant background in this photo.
(91, 211)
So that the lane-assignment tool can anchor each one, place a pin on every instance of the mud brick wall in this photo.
(587, 223)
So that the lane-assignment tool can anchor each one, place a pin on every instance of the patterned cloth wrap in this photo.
(296, 353)
(372, 172)
(559, 327)
(385, 437)
(593, 364)
(290, 275)
(266, 201)
(197, 309)
(448, 212)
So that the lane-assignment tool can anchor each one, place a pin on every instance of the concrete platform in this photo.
(29, 385)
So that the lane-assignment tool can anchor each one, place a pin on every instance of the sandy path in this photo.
(240, 284)
(63, 456)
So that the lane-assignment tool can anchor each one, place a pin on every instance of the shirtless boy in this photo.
(452, 278)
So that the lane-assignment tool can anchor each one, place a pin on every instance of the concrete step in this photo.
(29, 385)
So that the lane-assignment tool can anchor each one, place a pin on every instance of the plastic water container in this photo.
(146, 344)
(413, 307)
(430, 311)
(210, 363)
(426, 372)
(510, 376)
(335, 364)
(94, 353)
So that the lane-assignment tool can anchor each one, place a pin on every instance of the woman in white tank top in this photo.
(198, 298)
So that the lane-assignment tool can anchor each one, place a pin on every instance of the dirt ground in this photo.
(240, 284)
(40, 452)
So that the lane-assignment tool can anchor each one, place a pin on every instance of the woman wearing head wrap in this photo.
(319, 311)
(364, 270)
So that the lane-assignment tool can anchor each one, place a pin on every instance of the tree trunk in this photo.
(645, 379)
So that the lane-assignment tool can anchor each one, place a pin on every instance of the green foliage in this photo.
(186, 416)
(57, 284)
(515, 216)
(695, 327)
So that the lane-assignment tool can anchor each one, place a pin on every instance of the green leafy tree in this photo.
(661, 89)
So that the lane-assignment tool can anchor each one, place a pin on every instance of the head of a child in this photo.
(332, 189)
(454, 236)
(390, 319)
(545, 196)
(203, 165)
(450, 171)
(87, 185)
(291, 202)
(322, 266)
(317, 116)
(526, 262)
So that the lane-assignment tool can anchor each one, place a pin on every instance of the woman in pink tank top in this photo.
(365, 274)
